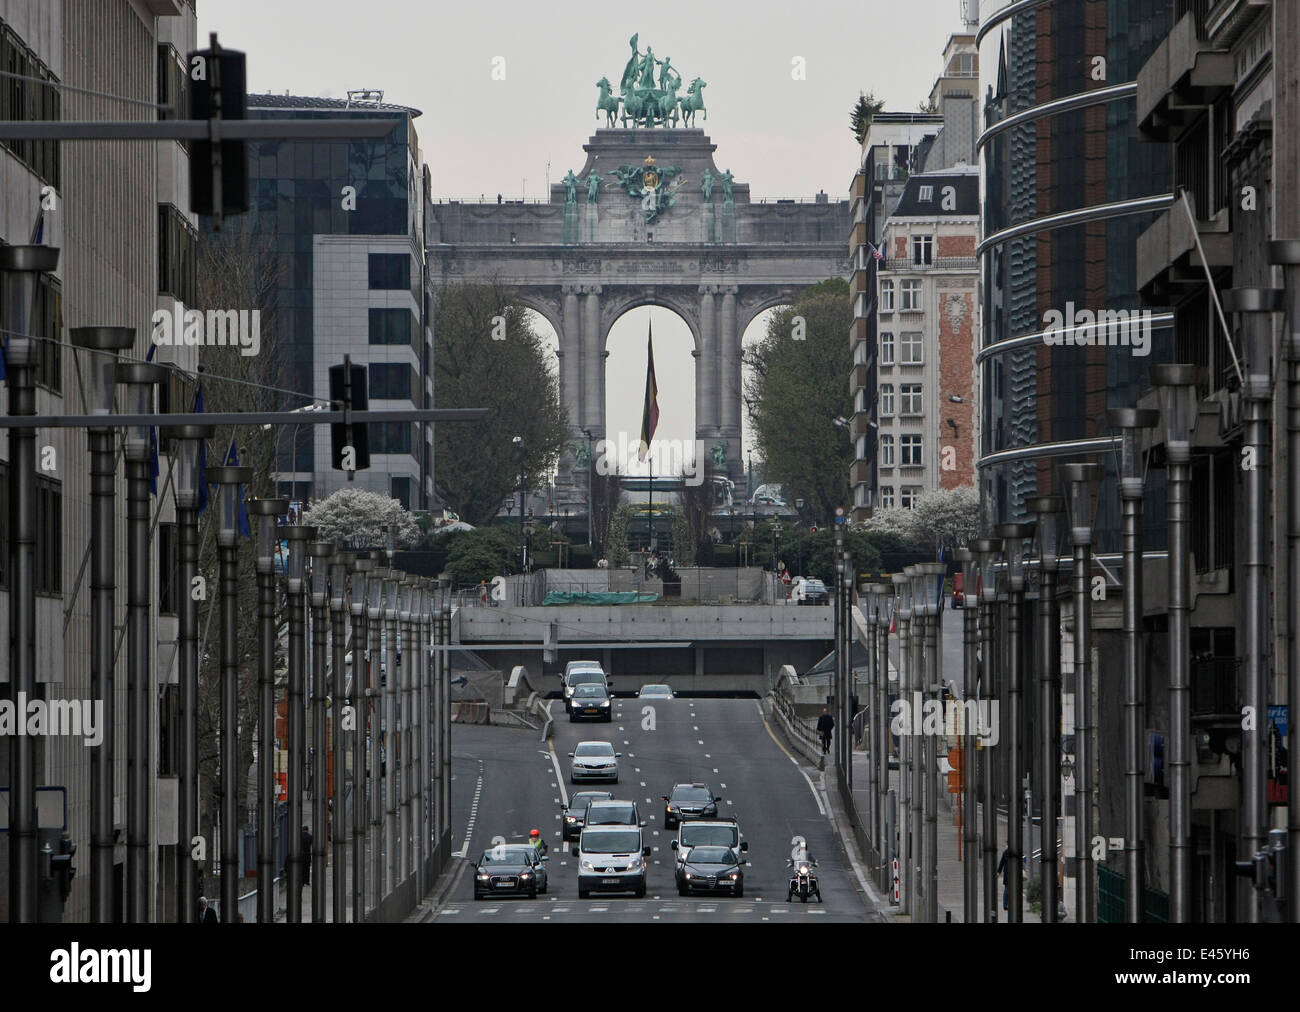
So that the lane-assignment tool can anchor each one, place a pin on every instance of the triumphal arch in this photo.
(649, 219)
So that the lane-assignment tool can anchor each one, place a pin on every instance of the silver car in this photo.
(594, 760)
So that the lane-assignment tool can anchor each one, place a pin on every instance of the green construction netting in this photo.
(598, 597)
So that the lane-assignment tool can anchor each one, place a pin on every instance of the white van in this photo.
(611, 859)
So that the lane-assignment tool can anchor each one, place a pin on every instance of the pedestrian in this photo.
(305, 856)
(1004, 869)
(206, 914)
(825, 725)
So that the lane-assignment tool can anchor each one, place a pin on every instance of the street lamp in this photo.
(140, 380)
(776, 545)
(97, 350)
(970, 835)
(1254, 307)
(340, 564)
(228, 481)
(928, 576)
(266, 514)
(877, 595)
(22, 267)
(1013, 538)
(320, 553)
(1176, 385)
(903, 612)
(1047, 512)
(987, 550)
(916, 814)
(1081, 480)
(298, 537)
(375, 614)
(518, 442)
(1131, 423)
(358, 595)
(587, 433)
(392, 579)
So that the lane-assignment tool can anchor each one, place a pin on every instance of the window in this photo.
(391, 381)
(926, 194)
(887, 296)
(173, 85)
(886, 347)
(860, 401)
(911, 294)
(910, 397)
(910, 450)
(390, 271)
(887, 400)
(911, 347)
(908, 495)
(390, 437)
(30, 101)
(402, 491)
(886, 497)
(4, 524)
(48, 323)
(887, 451)
(922, 248)
(392, 326)
(966, 64)
(860, 353)
(860, 448)
(177, 255)
(49, 537)
(861, 307)
(168, 569)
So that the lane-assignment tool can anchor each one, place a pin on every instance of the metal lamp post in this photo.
(297, 536)
(1131, 422)
(928, 575)
(910, 769)
(266, 513)
(358, 594)
(186, 443)
(320, 553)
(340, 564)
(392, 579)
(228, 481)
(1176, 385)
(22, 267)
(1013, 537)
(140, 380)
(1287, 253)
(518, 442)
(987, 551)
(1047, 511)
(374, 668)
(1081, 479)
(1255, 306)
(410, 659)
(970, 834)
(97, 351)
(873, 745)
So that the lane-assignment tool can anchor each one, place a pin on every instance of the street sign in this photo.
(1278, 715)
(51, 808)
(460, 682)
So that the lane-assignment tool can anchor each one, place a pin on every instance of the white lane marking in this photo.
(706, 755)
(557, 800)
(555, 764)
(598, 910)
(560, 910)
(700, 741)
(724, 785)
(620, 728)
(448, 911)
(816, 797)
(715, 769)
(626, 742)
(643, 784)
(728, 801)
(473, 813)
(637, 769)
(695, 728)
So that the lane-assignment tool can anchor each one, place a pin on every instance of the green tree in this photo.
(353, 516)
(928, 105)
(487, 355)
(481, 554)
(863, 113)
(797, 389)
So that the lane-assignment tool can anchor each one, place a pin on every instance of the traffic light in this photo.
(349, 443)
(957, 775)
(218, 173)
(61, 866)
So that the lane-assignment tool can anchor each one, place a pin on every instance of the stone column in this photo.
(729, 383)
(571, 359)
(593, 362)
(706, 376)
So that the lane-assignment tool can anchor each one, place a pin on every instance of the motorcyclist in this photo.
(799, 856)
(536, 842)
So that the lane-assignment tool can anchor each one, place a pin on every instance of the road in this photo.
(506, 782)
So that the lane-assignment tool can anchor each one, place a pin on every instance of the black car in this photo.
(575, 816)
(591, 701)
(513, 869)
(711, 870)
(689, 801)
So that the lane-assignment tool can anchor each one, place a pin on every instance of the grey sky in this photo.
(785, 137)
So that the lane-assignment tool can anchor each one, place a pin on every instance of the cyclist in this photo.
(536, 842)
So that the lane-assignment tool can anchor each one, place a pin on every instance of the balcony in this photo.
(1183, 76)
(1167, 257)
(860, 473)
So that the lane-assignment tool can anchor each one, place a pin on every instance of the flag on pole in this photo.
(203, 458)
(875, 252)
(232, 460)
(650, 413)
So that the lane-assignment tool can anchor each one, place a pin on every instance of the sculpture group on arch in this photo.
(646, 102)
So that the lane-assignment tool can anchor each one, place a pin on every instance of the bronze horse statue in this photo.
(694, 100)
(607, 102)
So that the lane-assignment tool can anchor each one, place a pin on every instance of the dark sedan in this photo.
(711, 870)
(512, 869)
(591, 702)
(689, 801)
(575, 816)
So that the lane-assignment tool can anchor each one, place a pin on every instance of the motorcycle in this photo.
(803, 883)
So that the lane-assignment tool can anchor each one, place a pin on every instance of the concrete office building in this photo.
(118, 212)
